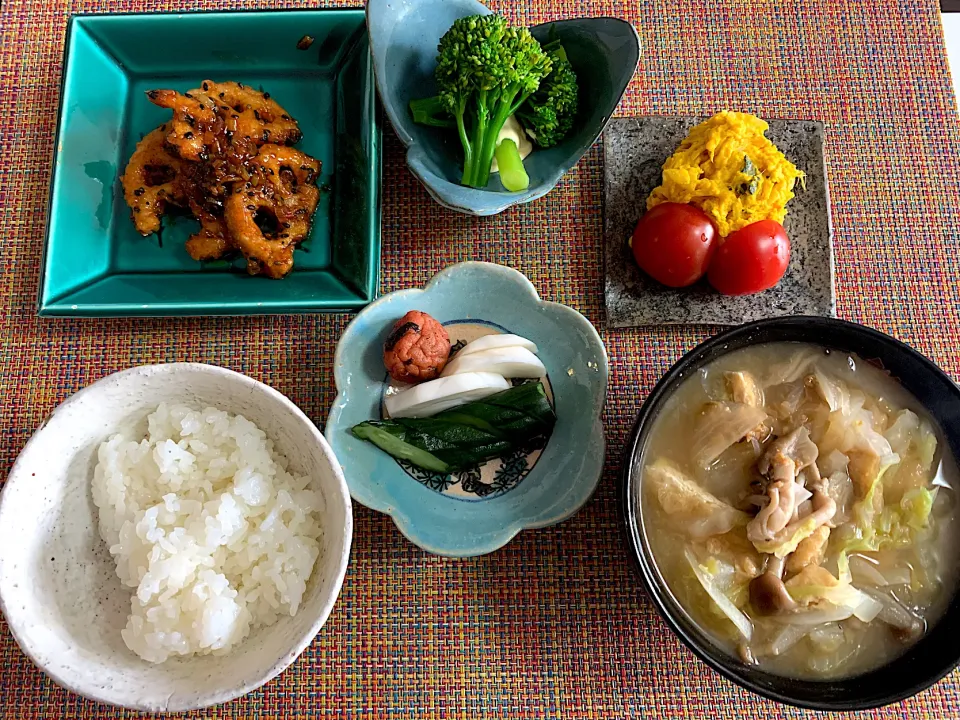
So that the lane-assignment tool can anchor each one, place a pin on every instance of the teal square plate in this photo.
(97, 265)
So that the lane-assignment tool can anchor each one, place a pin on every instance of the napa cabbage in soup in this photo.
(801, 507)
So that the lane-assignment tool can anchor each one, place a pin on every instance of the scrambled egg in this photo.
(727, 168)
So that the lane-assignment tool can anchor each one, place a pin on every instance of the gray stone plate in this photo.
(634, 150)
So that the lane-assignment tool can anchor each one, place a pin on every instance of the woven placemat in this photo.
(555, 625)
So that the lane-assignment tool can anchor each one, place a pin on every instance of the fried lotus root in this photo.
(228, 111)
(150, 181)
(206, 187)
(253, 114)
(280, 192)
(286, 168)
(212, 241)
(194, 122)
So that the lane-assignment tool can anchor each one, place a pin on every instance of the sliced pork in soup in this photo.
(801, 508)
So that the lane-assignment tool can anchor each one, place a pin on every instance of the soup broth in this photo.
(801, 506)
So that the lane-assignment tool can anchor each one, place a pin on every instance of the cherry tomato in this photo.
(673, 244)
(751, 259)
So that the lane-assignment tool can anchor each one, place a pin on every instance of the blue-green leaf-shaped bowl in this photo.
(446, 515)
(404, 34)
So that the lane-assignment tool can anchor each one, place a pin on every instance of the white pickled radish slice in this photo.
(435, 396)
(510, 362)
(488, 342)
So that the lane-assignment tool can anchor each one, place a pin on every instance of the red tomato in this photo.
(751, 259)
(673, 244)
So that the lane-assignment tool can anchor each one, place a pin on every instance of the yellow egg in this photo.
(731, 171)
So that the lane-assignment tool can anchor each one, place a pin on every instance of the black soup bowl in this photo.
(938, 652)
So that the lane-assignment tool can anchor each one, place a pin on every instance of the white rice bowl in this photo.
(60, 590)
(207, 526)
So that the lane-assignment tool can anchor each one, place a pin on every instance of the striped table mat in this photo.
(555, 625)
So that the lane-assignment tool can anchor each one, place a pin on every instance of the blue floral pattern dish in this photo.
(479, 510)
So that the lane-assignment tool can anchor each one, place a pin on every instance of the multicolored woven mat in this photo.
(555, 625)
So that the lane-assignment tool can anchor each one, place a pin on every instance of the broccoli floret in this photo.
(486, 69)
(551, 110)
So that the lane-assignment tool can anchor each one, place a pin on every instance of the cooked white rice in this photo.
(205, 522)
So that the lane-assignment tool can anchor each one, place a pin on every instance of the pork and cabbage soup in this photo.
(802, 509)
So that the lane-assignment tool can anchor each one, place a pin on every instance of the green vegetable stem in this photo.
(468, 435)
(394, 445)
(430, 111)
(486, 70)
(512, 173)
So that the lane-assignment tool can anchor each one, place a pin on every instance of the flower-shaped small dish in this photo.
(96, 264)
(404, 34)
(478, 511)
